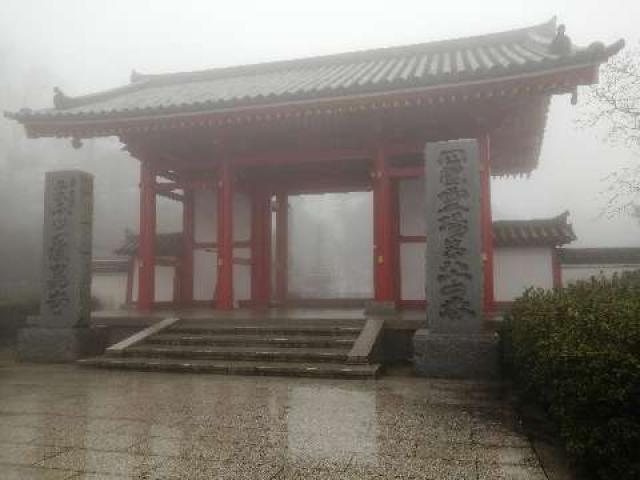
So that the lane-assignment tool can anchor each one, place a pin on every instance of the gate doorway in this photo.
(330, 248)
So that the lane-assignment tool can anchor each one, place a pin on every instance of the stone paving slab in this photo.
(66, 422)
(13, 472)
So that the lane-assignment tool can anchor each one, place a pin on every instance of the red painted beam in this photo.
(288, 157)
(146, 273)
(188, 232)
(186, 184)
(224, 287)
(406, 172)
(412, 238)
(236, 244)
(346, 188)
(486, 221)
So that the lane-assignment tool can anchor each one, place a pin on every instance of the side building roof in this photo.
(553, 231)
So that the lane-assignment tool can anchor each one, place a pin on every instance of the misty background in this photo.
(85, 46)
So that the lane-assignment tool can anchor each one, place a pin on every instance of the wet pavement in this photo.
(68, 422)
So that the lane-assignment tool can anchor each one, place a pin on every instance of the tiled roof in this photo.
(496, 56)
(538, 232)
(600, 256)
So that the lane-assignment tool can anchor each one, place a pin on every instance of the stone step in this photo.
(321, 370)
(265, 353)
(303, 330)
(313, 341)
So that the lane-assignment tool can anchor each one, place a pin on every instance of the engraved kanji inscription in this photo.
(67, 248)
(453, 276)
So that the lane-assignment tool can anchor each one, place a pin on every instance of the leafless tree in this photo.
(614, 104)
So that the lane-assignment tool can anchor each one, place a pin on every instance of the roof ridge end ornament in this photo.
(561, 44)
(60, 100)
(564, 217)
(135, 76)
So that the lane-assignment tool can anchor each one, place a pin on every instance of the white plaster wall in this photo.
(518, 268)
(573, 273)
(205, 216)
(412, 265)
(241, 276)
(110, 289)
(204, 273)
(165, 276)
(411, 199)
(412, 255)
(164, 282)
(241, 217)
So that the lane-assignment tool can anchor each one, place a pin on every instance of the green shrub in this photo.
(576, 352)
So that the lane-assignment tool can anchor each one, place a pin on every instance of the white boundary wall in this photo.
(164, 282)
(515, 268)
(412, 223)
(573, 273)
(110, 289)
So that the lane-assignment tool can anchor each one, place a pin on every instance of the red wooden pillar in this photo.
(395, 239)
(147, 254)
(224, 297)
(486, 221)
(282, 247)
(383, 231)
(261, 247)
(188, 231)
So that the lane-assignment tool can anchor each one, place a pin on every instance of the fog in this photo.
(85, 46)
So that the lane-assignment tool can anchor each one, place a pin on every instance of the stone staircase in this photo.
(335, 349)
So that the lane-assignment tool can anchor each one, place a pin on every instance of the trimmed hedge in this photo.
(576, 352)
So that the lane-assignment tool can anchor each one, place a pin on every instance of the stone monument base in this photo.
(59, 345)
(455, 355)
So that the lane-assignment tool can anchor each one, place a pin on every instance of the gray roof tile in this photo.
(374, 71)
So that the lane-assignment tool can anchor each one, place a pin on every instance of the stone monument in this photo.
(61, 332)
(453, 344)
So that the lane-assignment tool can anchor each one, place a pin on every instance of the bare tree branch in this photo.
(614, 106)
